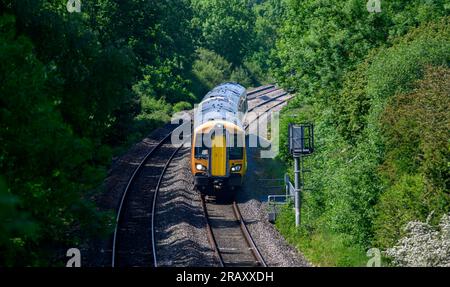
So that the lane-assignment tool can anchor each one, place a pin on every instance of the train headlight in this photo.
(200, 167)
(236, 168)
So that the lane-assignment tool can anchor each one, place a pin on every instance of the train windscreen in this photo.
(236, 147)
(201, 150)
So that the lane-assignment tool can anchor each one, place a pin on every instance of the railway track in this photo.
(267, 105)
(229, 236)
(261, 91)
(265, 99)
(258, 89)
(279, 99)
(134, 241)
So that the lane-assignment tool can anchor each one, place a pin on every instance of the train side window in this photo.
(242, 106)
(201, 150)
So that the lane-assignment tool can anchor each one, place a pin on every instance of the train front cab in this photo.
(218, 163)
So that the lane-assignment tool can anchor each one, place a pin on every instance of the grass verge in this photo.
(320, 246)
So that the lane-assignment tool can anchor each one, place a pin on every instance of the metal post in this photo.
(286, 184)
(297, 189)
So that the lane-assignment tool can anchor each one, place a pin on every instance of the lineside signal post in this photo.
(301, 144)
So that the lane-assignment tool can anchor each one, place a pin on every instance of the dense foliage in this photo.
(47, 164)
(415, 127)
(381, 132)
(226, 27)
(76, 88)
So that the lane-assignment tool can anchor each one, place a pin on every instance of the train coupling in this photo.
(218, 183)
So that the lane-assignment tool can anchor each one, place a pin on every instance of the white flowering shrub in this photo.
(423, 245)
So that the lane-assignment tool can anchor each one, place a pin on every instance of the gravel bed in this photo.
(273, 247)
(180, 223)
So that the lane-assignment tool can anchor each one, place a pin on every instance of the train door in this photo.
(218, 155)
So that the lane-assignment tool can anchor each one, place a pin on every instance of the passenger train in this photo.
(218, 154)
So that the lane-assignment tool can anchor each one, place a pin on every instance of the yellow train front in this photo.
(218, 154)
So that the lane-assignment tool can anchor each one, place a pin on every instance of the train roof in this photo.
(228, 90)
(221, 103)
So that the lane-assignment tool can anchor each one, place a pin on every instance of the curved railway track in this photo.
(266, 105)
(134, 241)
(261, 91)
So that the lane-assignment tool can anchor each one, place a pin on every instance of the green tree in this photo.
(226, 27)
(48, 169)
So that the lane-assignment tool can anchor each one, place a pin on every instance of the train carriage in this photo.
(218, 154)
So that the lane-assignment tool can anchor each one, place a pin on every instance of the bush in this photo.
(16, 226)
(162, 82)
(399, 204)
(154, 113)
(423, 246)
(225, 27)
(212, 69)
(396, 68)
(181, 106)
(415, 128)
(241, 75)
(355, 175)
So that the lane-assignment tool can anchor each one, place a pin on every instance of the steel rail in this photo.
(260, 89)
(263, 93)
(248, 236)
(210, 233)
(265, 111)
(267, 101)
